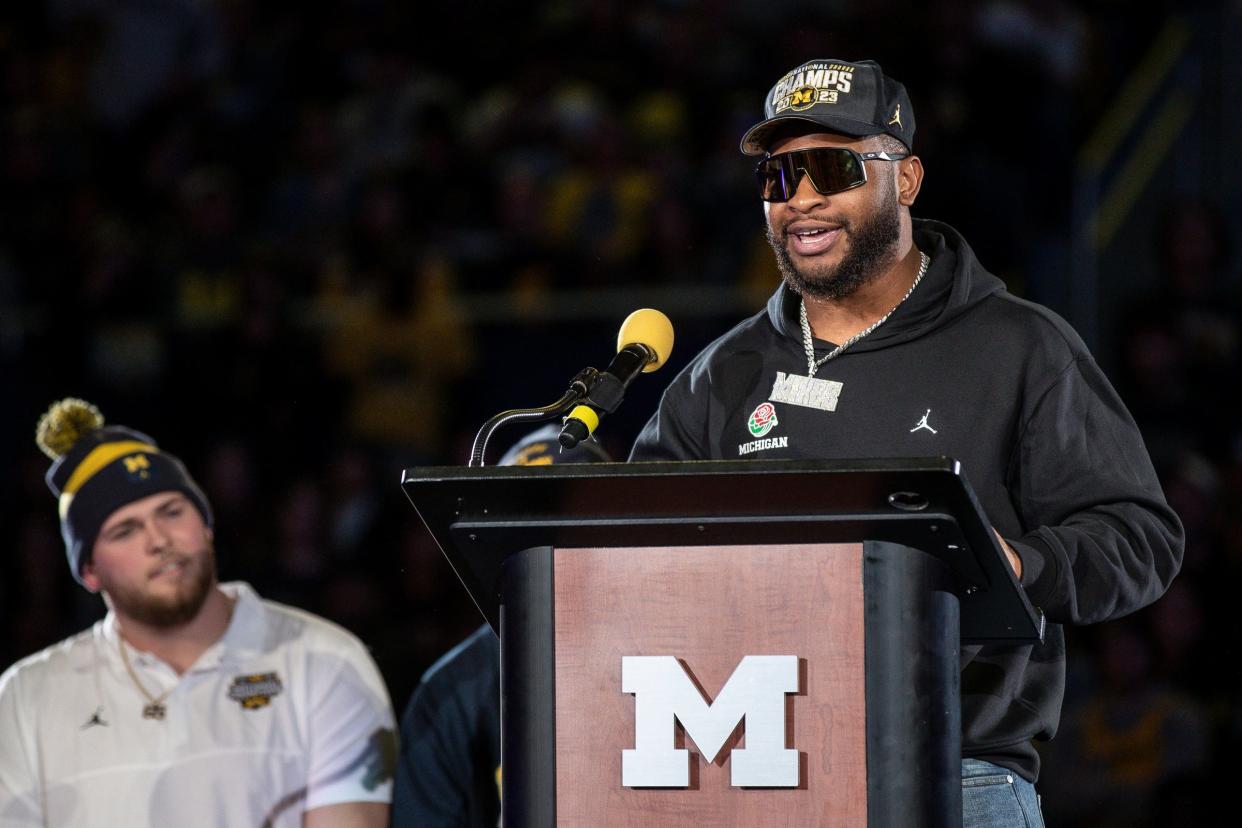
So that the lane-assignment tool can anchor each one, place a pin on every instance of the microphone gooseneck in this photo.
(577, 390)
(643, 344)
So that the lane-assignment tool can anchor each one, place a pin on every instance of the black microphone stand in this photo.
(578, 389)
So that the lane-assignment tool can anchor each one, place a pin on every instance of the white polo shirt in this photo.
(286, 713)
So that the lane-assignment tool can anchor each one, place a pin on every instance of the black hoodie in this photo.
(962, 369)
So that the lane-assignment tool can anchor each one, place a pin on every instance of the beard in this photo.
(873, 249)
(169, 611)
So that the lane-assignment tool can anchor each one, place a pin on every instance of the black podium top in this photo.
(479, 516)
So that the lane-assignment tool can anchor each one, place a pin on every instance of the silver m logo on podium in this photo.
(664, 695)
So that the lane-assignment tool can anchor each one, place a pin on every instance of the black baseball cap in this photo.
(848, 97)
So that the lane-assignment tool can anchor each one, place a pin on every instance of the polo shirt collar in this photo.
(243, 638)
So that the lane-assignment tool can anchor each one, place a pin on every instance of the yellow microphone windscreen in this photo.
(647, 326)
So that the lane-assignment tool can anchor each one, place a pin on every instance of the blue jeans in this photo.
(996, 797)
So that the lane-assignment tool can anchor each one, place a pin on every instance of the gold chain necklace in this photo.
(154, 708)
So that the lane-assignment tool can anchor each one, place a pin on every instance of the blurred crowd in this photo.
(309, 245)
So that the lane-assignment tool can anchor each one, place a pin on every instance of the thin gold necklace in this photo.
(154, 708)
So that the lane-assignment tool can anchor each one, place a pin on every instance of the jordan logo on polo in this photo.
(96, 719)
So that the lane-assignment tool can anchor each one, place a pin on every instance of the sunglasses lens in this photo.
(774, 183)
(832, 170)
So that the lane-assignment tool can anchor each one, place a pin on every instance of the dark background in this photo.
(306, 246)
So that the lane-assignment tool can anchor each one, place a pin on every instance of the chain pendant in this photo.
(154, 710)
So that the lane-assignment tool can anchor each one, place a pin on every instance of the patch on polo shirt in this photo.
(256, 690)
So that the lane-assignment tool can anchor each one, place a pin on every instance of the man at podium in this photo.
(888, 338)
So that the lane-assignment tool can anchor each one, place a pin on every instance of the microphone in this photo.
(644, 343)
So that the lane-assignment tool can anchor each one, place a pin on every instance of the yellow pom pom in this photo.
(64, 424)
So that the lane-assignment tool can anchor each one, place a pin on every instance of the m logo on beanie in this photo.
(138, 466)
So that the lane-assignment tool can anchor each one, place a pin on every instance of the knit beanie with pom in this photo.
(97, 469)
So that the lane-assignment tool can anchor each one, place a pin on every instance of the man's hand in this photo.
(1014, 560)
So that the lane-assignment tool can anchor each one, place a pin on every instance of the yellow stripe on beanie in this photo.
(100, 456)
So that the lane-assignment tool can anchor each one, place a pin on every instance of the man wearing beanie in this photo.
(192, 702)
(889, 339)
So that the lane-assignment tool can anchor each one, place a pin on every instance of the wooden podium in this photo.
(868, 572)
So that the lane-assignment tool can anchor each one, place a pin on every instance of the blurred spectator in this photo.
(1134, 737)
(1186, 336)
